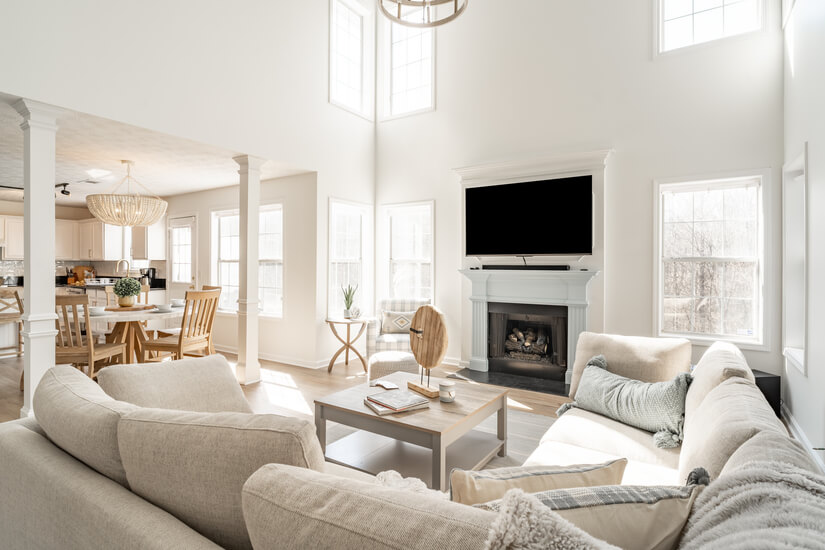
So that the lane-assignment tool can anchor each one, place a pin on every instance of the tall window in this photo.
(346, 63)
(226, 251)
(411, 250)
(181, 254)
(411, 68)
(346, 252)
(687, 22)
(711, 259)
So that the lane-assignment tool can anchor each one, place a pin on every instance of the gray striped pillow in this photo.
(473, 487)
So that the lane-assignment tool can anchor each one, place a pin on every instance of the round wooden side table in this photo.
(348, 343)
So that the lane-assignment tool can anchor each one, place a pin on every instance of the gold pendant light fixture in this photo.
(422, 14)
(131, 209)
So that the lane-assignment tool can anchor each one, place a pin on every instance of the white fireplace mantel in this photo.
(516, 286)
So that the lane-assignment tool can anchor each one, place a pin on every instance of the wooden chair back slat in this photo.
(198, 313)
(10, 302)
(70, 331)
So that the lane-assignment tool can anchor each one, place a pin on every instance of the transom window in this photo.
(687, 22)
(226, 251)
(711, 259)
(346, 66)
(411, 67)
(411, 250)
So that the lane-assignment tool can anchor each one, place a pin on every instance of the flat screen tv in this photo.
(535, 218)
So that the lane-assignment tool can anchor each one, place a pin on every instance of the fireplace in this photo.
(527, 340)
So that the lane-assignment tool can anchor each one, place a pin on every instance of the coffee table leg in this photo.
(439, 481)
(502, 426)
(321, 427)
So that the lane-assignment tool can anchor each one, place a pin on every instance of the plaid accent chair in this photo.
(377, 340)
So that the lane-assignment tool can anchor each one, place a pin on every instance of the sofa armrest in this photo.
(373, 332)
(203, 384)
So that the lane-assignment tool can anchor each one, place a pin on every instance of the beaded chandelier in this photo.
(422, 13)
(131, 209)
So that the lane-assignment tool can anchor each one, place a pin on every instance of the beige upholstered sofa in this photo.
(122, 473)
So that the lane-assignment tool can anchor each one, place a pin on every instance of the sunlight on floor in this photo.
(279, 378)
(287, 398)
(513, 404)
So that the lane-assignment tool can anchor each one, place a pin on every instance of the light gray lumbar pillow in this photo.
(657, 407)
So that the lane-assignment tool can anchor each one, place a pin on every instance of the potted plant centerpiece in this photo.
(126, 289)
(349, 296)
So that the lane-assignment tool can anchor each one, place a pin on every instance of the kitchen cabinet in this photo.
(149, 242)
(13, 249)
(2, 231)
(65, 240)
(90, 240)
(100, 241)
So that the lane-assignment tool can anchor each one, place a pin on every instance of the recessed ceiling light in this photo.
(98, 173)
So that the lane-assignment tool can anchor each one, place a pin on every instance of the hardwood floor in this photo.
(285, 389)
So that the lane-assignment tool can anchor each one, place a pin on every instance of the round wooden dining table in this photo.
(129, 328)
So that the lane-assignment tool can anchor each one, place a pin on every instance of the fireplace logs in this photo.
(528, 344)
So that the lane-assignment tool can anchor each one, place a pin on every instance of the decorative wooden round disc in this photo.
(428, 336)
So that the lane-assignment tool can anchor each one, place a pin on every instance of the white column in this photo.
(39, 129)
(248, 370)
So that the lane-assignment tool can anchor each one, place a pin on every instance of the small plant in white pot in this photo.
(126, 290)
(349, 297)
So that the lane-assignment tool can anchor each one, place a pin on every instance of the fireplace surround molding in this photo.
(558, 288)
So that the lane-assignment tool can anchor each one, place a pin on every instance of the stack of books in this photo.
(392, 402)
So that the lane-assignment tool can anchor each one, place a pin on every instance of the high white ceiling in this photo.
(167, 165)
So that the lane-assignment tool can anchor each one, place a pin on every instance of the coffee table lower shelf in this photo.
(373, 453)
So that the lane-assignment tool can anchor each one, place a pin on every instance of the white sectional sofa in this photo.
(54, 495)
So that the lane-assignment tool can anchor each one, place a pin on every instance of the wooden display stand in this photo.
(428, 340)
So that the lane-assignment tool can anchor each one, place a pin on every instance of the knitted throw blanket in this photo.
(762, 505)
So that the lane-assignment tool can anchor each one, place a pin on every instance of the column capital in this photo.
(249, 163)
(37, 114)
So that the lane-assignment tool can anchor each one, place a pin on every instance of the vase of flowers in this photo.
(126, 289)
(349, 296)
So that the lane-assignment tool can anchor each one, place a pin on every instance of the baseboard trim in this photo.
(452, 361)
(279, 358)
(799, 434)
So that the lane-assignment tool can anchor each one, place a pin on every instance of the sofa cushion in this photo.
(292, 508)
(473, 487)
(193, 465)
(205, 384)
(396, 322)
(594, 431)
(721, 361)
(635, 473)
(656, 407)
(731, 413)
(770, 446)
(636, 357)
(637, 517)
(81, 419)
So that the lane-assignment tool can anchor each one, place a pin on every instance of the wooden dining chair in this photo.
(73, 345)
(195, 333)
(11, 311)
(176, 331)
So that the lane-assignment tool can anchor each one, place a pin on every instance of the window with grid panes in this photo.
(411, 67)
(687, 22)
(270, 259)
(181, 254)
(711, 259)
(346, 65)
(411, 250)
(346, 253)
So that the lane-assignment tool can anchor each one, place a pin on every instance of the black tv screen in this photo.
(547, 217)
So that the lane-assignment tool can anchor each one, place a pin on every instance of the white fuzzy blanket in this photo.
(762, 505)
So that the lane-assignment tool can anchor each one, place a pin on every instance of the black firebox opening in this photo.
(528, 340)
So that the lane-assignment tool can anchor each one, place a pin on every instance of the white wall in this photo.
(290, 338)
(250, 77)
(805, 122)
(522, 78)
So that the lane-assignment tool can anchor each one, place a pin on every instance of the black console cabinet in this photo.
(770, 386)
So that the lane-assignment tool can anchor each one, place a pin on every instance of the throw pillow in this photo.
(657, 407)
(639, 517)
(194, 465)
(396, 322)
(524, 523)
(473, 487)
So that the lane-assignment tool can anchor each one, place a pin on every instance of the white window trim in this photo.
(366, 82)
(386, 210)
(658, 32)
(367, 256)
(765, 248)
(213, 259)
(170, 223)
(386, 85)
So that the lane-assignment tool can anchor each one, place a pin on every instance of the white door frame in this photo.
(178, 289)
